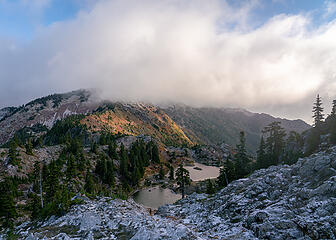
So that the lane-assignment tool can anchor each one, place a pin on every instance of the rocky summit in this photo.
(281, 202)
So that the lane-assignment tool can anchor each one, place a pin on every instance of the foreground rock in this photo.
(283, 202)
(106, 219)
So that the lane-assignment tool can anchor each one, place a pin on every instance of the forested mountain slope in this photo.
(175, 124)
(214, 125)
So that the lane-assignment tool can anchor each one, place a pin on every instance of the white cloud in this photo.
(174, 50)
(330, 8)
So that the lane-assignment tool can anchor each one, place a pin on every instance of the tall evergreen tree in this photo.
(29, 147)
(112, 151)
(155, 154)
(13, 154)
(89, 184)
(109, 176)
(222, 179)
(333, 109)
(7, 204)
(123, 161)
(318, 112)
(261, 154)
(183, 178)
(275, 142)
(242, 161)
(171, 172)
(161, 172)
(315, 134)
(209, 187)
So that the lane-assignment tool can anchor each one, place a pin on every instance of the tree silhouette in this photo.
(318, 112)
(183, 178)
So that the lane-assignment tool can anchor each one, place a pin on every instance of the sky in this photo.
(270, 56)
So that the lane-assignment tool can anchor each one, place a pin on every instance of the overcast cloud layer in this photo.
(201, 53)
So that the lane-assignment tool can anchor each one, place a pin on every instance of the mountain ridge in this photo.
(193, 125)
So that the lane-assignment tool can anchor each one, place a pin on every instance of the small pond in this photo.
(156, 196)
(200, 172)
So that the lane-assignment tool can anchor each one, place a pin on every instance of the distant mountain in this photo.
(214, 125)
(175, 124)
(45, 111)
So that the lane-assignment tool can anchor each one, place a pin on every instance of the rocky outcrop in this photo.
(107, 219)
(281, 202)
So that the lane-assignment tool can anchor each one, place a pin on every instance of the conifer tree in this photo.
(318, 112)
(171, 172)
(12, 154)
(89, 185)
(94, 147)
(314, 135)
(209, 187)
(333, 109)
(331, 122)
(261, 154)
(123, 161)
(242, 161)
(112, 151)
(71, 167)
(155, 154)
(29, 147)
(109, 176)
(222, 180)
(7, 204)
(161, 172)
(275, 143)
(183, 178)
(52, 181)
(35, 206)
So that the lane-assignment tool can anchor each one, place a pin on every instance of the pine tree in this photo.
(35, 206)
(333, 109)
(315, 134)
(89, 185)
(275, 143)
(94, 147)
(171, 172)
(318, 112)
(222, 180)
(71, 167)
(183, 178)
(7, 204)
(123, 161)
(242, 161)
(109, 176)
(36, 177)
(161, 172)
(29, 147)
(12, 154)
(52, 181)
(112, 151)
(261, 155)
(209, 187)
(155, 154)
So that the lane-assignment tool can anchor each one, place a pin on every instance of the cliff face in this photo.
(282, 202)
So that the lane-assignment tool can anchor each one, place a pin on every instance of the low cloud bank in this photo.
(201, 53)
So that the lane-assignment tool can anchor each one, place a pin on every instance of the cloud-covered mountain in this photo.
(174, 124)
